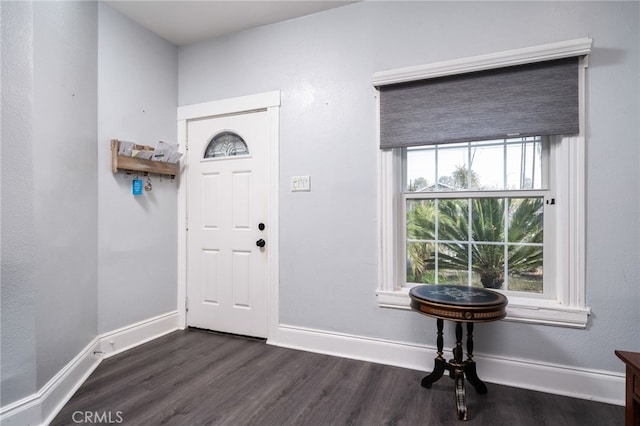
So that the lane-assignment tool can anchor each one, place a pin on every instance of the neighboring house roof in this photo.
(432, 187)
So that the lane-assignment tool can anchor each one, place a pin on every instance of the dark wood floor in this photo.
(199, 378)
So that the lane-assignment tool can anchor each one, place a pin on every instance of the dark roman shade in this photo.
(524, 100)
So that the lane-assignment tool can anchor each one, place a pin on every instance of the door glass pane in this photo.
(226, 144)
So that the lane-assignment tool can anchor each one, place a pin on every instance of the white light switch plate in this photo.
(300, 183)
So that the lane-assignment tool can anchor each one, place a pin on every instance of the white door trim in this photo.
(269, 101)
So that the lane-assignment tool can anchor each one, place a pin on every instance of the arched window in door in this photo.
(226, 144)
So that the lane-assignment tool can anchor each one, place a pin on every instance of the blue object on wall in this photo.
(137, 186)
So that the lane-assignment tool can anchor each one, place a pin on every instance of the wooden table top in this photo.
(458, 303)
(632, 359)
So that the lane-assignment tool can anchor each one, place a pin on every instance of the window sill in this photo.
(527, 310)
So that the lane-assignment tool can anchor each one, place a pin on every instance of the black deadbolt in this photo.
(261, 226)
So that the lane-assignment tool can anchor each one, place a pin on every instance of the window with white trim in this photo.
(505, 213)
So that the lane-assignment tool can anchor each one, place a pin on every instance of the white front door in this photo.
(228, 232)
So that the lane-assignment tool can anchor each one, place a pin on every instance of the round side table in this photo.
(460, 304)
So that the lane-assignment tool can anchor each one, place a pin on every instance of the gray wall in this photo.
(49, 200)
(138, 96)
(65, 122)
(80, 255)
(17, 240)
(323, 64)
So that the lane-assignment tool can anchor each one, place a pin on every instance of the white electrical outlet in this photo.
(300, 183)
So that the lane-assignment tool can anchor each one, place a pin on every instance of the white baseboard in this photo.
(42, 407)
(125, 338)
(596, 385)
(24, 412)
(57, 391)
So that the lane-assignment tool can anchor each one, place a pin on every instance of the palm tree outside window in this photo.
(475, 213)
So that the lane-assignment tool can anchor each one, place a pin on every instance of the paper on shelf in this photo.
(142, 153)
(126, 148)
(174, 157)
(166, 152)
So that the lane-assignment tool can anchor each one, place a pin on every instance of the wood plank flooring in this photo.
(194, 377)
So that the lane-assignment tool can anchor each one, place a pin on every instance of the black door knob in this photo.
(260, 243)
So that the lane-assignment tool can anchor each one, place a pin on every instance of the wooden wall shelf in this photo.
(132, 164)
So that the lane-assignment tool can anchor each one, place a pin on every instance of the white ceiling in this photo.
(184, 21)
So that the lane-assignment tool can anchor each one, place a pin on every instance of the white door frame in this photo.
(269, 101)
